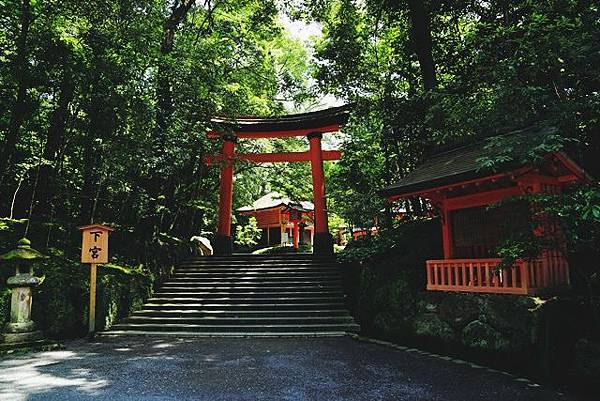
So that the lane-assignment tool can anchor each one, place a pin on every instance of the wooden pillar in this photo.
(446, 232)
(323, 241)
(296, 234)
(222, 239)
(92, 311)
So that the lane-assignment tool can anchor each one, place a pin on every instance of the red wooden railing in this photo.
(483, 275)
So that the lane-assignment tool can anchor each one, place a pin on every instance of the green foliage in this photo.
(116, 106)
(60, 302)
(499, 67)
(577, 214)
(386, 271)
(412, 239)
(523, 149)
(103, 106)
(5, 296)
(248, 235)
(121, 294)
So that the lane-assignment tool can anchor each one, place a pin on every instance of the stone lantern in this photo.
(21, 328)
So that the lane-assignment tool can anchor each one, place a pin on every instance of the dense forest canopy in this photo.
(104, 105)
(429, 73)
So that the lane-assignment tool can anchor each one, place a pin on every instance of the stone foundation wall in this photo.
(552, 338)
(501, 323)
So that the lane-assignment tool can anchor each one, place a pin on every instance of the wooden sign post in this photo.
(94, 250)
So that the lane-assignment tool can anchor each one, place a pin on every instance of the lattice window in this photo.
(477, 232)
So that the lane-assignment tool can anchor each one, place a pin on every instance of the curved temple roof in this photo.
(275, 199)
(464, 163)
(320, 121)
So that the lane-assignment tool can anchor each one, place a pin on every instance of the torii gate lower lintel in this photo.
(311, 125)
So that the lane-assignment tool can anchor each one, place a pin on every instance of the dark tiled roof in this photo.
(315, 119)
(462, 163)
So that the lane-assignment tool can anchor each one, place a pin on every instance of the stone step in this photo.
(248, 300)
(259, 269)
(235, 261)
(272, 281)
(243, 306)
(286, 256)
(238, 273)
(254, 280)
(249, 278)
(241, 295)
(238, 328)
(250, 283)
(256, 261)
(259, 260)
(275, 267)
(254, 274)
(242, 313)
(258, 334)
(246, 288)
(246, 294)
(270, 320)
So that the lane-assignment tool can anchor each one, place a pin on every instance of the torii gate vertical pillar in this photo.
(222, 240)
(323, 240)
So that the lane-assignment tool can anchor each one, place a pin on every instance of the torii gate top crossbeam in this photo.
(289, 157)
(329, 120)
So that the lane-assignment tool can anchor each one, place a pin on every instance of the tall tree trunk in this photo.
(102, 114)
(164, 96)
(19, 106)
(157, 182)
(54, 141)
(422, 42)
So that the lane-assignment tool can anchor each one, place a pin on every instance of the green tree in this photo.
(248, 235)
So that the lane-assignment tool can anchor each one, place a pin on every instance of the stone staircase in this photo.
(246, 295)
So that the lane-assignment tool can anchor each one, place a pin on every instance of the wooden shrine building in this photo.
(461, 190)
(311, 125)
(282, 220)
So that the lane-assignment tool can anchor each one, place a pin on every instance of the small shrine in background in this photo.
(282, 220)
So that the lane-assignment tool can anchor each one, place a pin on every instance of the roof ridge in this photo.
(331, 110)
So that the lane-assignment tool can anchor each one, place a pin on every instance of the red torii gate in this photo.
(313, 126)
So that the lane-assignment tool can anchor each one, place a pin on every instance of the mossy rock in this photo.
(508, 314)
(397, 297)
(388, 324)
(430, 325)
(478, 334)
(587, 359)
(5, 297)
(429, 301)
(459, 309)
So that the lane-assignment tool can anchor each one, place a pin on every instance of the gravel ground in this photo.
(328, 369)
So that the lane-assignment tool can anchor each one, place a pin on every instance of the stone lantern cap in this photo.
(22, 253)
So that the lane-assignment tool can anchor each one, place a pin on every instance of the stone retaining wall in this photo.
(553, 338)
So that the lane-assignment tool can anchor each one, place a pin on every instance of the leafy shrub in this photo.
(413, 241)
(248, 235)
(61, 302)
(577, 213)
(384, 272)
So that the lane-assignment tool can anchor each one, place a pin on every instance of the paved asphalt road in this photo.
(325, 369)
